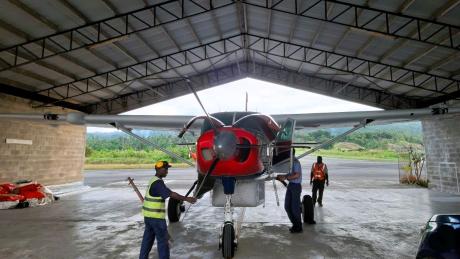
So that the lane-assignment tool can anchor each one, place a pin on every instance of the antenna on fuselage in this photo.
(246, 107)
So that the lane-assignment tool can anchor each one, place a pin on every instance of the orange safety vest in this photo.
(318, 172)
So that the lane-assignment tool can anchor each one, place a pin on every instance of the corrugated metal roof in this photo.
(183, 43)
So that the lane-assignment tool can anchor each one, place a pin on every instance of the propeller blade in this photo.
(201, 104)
(209, 172)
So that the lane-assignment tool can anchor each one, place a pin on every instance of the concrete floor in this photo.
(366, 214)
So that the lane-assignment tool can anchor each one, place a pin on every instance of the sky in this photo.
(263, 97)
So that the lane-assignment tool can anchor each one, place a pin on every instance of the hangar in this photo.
(110, 56)
(107, 57)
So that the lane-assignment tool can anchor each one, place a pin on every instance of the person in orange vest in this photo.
(318, 177)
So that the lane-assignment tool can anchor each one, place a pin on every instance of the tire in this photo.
(174, 210)
(228, 241)
(308, 210)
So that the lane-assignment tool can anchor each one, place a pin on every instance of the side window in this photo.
(286, 132)
(283, 142)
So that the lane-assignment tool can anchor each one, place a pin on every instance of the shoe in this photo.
(320, 204)
(296, 230)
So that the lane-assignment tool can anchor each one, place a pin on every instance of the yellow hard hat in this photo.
(162, 164)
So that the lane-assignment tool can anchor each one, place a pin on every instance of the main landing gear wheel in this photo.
(308, 210)
(228, 244)
(175, 208)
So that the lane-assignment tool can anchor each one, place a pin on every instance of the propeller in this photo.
(189, 85)
(225, 145)
(225, 142)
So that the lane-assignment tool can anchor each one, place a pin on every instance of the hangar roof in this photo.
(111, 56)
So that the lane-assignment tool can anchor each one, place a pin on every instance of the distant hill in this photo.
(142, 133)
(371, 137)
(384, 137)
(413, 128)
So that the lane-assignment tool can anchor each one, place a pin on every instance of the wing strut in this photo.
(363, 124)
(145, 141)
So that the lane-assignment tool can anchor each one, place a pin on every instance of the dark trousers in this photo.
(292, 204)
(155, 228)
(318, 186)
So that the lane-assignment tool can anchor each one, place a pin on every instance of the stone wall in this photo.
(56, 154)
(442, 144)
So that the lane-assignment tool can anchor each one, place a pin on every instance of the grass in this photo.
(129, 156)
(363, 155)
(145, 159)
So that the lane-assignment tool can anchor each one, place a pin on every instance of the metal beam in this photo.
(441, 99)
(350, 64)
(299, 53)
(15, 91)
(349, 29)
(402, 8)
(426, 28)
(359, 94)
(260, 71)
(67, 40)
(14, 30)
(33, 13)
(117, 45)
(316, 36)
(393, 27)
(148, 68)
(125, 51)
(136, 99)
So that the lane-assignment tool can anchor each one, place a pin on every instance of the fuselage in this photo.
(253, 132)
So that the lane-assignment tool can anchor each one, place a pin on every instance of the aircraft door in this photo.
(283, 142)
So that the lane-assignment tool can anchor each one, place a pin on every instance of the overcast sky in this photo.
(264, 97)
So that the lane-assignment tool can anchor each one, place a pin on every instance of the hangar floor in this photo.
(366, 214)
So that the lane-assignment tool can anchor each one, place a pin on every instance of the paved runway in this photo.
(366, 214)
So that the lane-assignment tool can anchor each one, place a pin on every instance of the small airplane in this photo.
(237, 152)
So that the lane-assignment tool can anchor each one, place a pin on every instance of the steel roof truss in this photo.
(151, 67)
(370, 19)
(353, 65)
(119, 26)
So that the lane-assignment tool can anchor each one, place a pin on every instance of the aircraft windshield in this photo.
(285, 134)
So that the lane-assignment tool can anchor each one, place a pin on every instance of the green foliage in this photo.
(368, 140)
(88, 151)
(374, 154)
(127, 150)
(423, 183)
(121, 149)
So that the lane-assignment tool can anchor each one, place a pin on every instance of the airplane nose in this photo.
(225, 145)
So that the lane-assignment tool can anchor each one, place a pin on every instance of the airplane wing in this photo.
(341, 119)
(177, 122)
(168, 122)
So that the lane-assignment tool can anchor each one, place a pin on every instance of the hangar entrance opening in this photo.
(109, 57)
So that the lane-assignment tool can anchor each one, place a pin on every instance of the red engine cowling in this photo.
(245, 162)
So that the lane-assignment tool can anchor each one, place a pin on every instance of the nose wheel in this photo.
(228, 240)
(308, 210)
(175, 208)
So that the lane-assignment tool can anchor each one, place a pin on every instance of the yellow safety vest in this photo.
(154, 206)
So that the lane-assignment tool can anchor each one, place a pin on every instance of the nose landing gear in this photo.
(228, 242)
(228, 238)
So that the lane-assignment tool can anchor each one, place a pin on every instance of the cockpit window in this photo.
(285, 134)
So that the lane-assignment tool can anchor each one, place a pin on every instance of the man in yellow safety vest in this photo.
(154, 212)
(318, 177)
